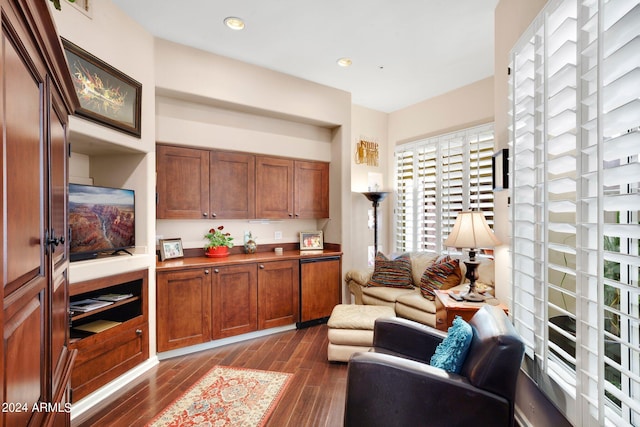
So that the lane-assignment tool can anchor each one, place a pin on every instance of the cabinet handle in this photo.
(205, 214)
(216, 271)
(138, 331)
(297, 215)
(261, 266)
(290, 215)
(206, 272)
(213, 215)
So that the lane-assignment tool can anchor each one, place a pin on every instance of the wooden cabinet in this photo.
(288, 188)
(182, 183)
(232, 186)
(112, 339)
(311, 189)
(197, 305)
(183, 308)
(278, 293)
(36, 97)
(320, 280)
(234, 300)
(195, 184)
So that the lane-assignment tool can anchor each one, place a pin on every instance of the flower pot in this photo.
(217, 252)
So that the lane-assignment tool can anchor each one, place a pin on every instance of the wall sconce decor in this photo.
(367, 152)
(500, 170)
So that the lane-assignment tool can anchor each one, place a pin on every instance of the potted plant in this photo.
(218, 243)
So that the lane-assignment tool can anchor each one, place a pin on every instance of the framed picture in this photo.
(171, 248)
(107, 96)
(500, 170)
(311, 240)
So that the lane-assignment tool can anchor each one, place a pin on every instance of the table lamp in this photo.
(471, 231)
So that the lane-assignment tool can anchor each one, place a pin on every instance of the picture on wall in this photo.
(107, 96)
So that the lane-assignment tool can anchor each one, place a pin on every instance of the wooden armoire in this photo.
(37, 96)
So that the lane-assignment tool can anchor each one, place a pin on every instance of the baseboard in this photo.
(223, 341)
(107, 390)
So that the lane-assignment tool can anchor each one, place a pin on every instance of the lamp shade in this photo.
(471, 231)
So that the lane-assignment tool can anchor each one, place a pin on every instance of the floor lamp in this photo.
(375, 197)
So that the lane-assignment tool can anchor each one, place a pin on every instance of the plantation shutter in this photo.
(449, 173)
(575, 138)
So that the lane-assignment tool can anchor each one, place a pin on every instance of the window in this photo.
(575, 141)
(435, 179)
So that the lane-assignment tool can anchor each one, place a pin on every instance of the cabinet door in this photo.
(274, 187)
(183, 308)
(182, 183)
(234, 300)
(311, 196)
(319, 287)
(278, 293)
(232, 185)
(25, 270)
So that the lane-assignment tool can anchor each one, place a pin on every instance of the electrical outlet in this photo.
(277, 235)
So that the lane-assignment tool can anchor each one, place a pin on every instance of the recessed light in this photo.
(344, 62)
(234, 23)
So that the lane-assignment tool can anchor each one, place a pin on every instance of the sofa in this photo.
(410, 302)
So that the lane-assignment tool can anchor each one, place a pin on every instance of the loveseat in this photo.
(411, 302)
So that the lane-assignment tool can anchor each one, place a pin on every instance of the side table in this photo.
(447, 309)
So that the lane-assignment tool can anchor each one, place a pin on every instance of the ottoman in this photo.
(351, 329)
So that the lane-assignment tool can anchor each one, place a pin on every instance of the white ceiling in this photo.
(403, 51)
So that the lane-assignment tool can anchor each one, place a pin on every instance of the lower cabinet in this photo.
(183, 308)
(109, 339)
(278, 293)
(201, 304)
(234, 300)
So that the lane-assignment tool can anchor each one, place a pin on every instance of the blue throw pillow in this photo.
(452, 351)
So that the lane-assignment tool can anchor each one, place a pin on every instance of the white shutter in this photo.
(575, 138)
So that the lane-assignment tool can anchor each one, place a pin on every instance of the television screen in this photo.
(101, 219)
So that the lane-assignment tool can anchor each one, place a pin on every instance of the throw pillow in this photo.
(452, 351)
(442, 275)
(394, 273)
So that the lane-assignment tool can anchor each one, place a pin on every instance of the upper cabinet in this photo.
(232, 186)
(194, 184)
(311, 190)
(288, 188)
(182, 183)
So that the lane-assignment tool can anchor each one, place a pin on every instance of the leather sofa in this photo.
(409, 303)
(394, 385)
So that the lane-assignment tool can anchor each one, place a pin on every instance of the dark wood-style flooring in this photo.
(315, 396)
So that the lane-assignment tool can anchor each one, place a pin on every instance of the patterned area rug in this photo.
(227, 397)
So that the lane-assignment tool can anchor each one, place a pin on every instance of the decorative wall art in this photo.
(107, 96)
(367, 152)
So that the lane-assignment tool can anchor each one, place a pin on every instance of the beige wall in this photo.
(369, 125)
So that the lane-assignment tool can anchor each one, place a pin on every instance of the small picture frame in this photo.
(500, 170)
(171, 248)
(311, 240)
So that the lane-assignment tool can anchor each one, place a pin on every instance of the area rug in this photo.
(227, 397)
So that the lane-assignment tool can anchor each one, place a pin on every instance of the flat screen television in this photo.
(101, 219)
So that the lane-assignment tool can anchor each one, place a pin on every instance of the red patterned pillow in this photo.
(393, 273)
(442, 275)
